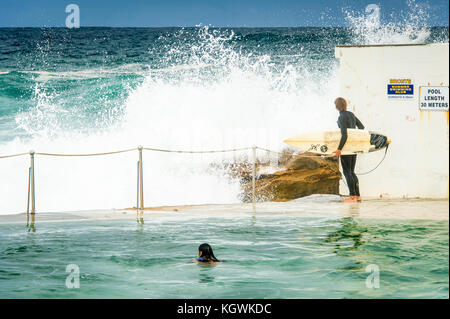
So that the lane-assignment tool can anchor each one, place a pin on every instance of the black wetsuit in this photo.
(349, 120)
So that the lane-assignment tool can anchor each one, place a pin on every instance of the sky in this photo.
(224, 13)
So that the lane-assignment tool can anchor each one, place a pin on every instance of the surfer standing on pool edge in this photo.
(345, 121)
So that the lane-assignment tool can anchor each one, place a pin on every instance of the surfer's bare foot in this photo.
(358, 198)
(351, 199)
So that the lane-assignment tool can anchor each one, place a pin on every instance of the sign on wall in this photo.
(433, 98)
(400, 88)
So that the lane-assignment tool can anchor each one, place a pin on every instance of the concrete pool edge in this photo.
(407, 209)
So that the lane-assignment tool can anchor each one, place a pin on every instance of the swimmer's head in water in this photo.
(205, 251)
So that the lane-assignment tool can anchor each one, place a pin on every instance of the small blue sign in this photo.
(400, 89)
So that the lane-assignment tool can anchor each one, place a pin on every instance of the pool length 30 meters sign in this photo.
(433, 98)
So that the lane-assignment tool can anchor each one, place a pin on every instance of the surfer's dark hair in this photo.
(207, 252)
(341, 104)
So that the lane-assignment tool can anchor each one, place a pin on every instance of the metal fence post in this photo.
(141, 180)
(137, 188)
(29, 190)
(254, 175)
(32, 184)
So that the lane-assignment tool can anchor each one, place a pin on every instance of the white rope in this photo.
(88, 154)
(160, 150)
(302, 154)
(196, 152)
(13, 155)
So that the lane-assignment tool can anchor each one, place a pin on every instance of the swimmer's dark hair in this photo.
(207, 252)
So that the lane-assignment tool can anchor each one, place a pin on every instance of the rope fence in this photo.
(140, 178)
(159, 150)
(87, 154)
(14, 155)
(301, 154)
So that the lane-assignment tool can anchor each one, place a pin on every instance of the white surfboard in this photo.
(326, 142)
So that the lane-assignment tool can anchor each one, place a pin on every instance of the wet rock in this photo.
(299, 176)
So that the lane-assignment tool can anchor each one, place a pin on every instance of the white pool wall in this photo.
(417, 163)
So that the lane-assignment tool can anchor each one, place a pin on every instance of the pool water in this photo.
(264, 256)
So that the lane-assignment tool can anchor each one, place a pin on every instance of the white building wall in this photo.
(417, 163)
